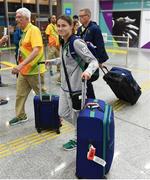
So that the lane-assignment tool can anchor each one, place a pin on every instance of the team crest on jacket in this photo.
(84, 50)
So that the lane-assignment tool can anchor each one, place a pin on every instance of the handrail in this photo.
(108, 39)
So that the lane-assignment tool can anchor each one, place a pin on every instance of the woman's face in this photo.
(63, 27)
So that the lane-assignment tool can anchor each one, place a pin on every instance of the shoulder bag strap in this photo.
(66, 74)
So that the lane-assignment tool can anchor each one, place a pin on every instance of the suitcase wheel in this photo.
(133, 103)
(78, 176)
(104, 177)
(39, 130)
(58, 131)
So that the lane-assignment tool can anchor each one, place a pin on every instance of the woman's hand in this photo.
(86, 75)
(47, 63)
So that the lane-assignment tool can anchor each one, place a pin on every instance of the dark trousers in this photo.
(90, 90)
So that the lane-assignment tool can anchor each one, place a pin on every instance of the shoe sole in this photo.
(70, 149)
(2, 103)
(13, 124)
(19, 122)
(23, 121)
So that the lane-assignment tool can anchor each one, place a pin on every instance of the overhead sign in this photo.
(68, 11)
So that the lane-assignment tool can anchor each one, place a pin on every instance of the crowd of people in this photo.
(59, 33)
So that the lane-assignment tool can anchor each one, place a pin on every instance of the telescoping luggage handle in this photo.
(91, 105)
(84, 91)
(39, 79)
(104, 67)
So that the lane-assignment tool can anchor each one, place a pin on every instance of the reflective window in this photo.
(44, 9)
(31, 7)
(2, 8)
(12, 6)
(30, 4)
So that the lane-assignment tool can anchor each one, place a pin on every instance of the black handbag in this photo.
(76, 100)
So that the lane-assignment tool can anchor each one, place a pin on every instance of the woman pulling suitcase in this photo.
(71, 73)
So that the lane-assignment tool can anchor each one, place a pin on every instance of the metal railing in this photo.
(117, 45)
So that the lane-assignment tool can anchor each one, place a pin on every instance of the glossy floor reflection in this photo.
(26, 154)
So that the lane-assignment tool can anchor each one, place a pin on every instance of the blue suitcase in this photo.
(46, 113)
(123, 84)
(95, 126)
(46, 109)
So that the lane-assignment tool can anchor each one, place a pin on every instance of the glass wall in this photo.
(2, 16)
(44, 6)
(30, 4)
(128, 18)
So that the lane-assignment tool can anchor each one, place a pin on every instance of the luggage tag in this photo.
(91, 156)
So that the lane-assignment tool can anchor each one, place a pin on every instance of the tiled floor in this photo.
(25, 154)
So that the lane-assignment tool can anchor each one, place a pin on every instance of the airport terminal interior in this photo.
(27, 154)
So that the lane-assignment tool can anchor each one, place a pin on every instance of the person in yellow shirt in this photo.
(30, 53)
(53, 42)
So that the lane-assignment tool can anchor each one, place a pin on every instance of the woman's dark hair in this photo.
(49, 19)
(74, 24)
(61, 41)
(66, 18)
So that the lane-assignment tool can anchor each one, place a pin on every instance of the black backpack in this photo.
(74, 55)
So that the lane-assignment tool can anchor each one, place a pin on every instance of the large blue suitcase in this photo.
(123, 84)
(46, 113)
(95, 126)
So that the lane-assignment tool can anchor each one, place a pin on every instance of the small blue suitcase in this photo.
(95, 126)
(46, 109)
(46, 113)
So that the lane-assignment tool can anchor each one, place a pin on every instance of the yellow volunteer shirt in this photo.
(51, 31)
(31, 38)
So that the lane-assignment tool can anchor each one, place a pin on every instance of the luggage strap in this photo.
(104, 133)
(106, 122)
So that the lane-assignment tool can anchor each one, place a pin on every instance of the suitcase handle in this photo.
(39, 79)
(84, 91)
(104, 67)
(93, 105)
